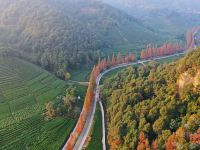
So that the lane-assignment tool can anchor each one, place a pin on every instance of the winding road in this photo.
(85, 132)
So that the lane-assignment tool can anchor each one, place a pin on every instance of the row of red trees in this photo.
(82, 118)
(165, 49)
(102, 65)
(106, 63)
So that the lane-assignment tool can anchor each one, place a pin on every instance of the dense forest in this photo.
(63, 35)
(154, 106)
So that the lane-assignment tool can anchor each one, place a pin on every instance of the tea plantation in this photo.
(24, 91)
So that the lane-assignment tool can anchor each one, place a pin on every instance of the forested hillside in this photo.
(155, 106)
(61, 35)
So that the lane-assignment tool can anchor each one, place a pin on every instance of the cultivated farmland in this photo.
(24, 91)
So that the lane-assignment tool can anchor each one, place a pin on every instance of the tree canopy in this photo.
(145, 107)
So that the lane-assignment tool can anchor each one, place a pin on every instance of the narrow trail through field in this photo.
(78, 82)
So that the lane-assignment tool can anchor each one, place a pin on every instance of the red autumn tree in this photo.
(95, 72)
(119, 58)
(154, 145)
(143, 142)
(100, 65)
(195, 138)
(143, 55)
(129, 58)
(180, 133)
(132, 57)
(126, 59)
(149, 52)
(69, 146)
(90, 94)
(80, 124)
(104, 63)
(70, 142)
(93, 76)
(170, 144)
(88, 99)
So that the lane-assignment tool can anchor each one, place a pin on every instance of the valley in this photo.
(99, 74)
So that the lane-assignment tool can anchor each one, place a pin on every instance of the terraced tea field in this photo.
(24, 90)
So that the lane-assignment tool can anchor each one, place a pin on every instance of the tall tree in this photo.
(143, 55)
(50, 112)
(80, 124)
(132, 57)
(143, 142)
(113, 60)
(119, 58)
(195, 137)
(155, 145)
(171, 142)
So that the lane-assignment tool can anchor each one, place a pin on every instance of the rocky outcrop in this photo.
(186, 79)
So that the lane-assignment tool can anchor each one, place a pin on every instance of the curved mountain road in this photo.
(84, 134)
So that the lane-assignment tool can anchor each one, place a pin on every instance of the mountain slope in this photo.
(65, 34)
(167, 16)
(155, 106)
